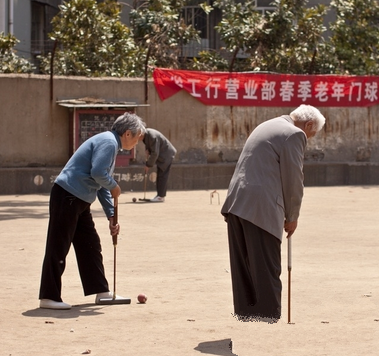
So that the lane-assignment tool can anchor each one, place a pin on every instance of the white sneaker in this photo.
(52, 304)
(158, 199)
(106, 295)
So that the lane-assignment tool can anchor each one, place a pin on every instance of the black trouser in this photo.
(71, 222)
(162, 179)
(255, 262)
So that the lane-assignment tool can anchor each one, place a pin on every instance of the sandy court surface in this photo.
(177, 253)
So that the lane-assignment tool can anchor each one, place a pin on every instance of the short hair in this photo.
(129, 121)
(308, 113)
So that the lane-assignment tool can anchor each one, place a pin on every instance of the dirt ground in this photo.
(176, 253)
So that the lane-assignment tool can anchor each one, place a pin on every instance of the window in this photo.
(195, 16)
(38, 25)
(42, 14)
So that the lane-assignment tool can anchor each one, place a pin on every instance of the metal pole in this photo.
(289, 264)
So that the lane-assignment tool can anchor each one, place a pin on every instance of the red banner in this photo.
(257, 89)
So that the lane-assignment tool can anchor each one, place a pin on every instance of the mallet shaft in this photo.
(144, 187)
(114, 239)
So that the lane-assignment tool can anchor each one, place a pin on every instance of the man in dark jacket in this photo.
(161, 152)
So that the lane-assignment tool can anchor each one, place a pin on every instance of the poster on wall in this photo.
(270, 90)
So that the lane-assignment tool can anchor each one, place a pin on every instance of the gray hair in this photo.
(306, 113)
(129, 121)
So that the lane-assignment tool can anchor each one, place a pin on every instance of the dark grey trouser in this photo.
(71, 222)
(255, 262)
(162, 179)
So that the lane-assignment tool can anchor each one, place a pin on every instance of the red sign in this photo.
(257, 89)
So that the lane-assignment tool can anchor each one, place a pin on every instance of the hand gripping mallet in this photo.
(114, 300)
(289, 264)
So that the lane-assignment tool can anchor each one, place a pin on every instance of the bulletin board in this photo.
(88, 123)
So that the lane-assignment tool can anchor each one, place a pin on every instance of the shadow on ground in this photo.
(218, 347)
(75, 312)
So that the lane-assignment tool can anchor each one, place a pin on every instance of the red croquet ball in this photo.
(142, 298)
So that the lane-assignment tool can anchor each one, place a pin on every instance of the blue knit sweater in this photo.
(89, 171)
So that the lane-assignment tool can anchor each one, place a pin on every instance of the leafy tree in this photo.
(9, 61)
(160, 30)
(291, 39)
(288, 39)
(238, 27)
(92, 41)
(355, 35)
(209, 61)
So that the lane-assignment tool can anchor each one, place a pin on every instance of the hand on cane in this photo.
(290, 227)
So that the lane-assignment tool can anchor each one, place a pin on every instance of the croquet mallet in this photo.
(115, 299)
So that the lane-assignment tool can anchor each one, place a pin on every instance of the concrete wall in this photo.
(35, 131)
(39, 180)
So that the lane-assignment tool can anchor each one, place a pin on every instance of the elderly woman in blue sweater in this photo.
(87, 175)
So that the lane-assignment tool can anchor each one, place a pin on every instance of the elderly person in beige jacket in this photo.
(264, 196)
